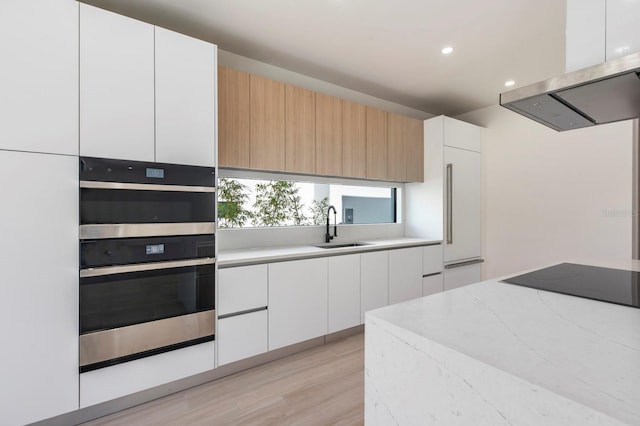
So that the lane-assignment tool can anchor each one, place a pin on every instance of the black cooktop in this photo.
(591, 282)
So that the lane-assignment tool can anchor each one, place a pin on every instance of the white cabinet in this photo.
(622, 23)
(432, 278)
(241, 289)
(462, 204)
(297, 301)
(432, 259)
(116, 86)
(405, 274)
(432, 283)
(600, 30)
(242, 330)
(130, 377)
(146, 93)
(343, 292)
(39, 278)
(185, 97)
(585, 33)
(242, 336)
(39, 76)
(374, 281)
(461, 274)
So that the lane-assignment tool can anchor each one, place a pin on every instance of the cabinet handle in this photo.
(449, 204)
(461, 264)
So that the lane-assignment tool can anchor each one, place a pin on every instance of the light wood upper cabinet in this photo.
(354, 140)
(328, 135)
(396, 129)
(300, 130)
(376, 143)
(266, 99)
(414, 150)
(233, 118)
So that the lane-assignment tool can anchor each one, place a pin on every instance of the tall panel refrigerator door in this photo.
(462, 191)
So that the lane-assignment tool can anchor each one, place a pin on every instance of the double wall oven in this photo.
(147, 259)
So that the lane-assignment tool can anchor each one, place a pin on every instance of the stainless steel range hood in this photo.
(599, 94)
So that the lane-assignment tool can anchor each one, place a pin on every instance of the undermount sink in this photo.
(332, 246)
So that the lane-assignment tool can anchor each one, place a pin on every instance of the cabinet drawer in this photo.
(241, 289)
(432, 259)
(242, 336)
(432, 284)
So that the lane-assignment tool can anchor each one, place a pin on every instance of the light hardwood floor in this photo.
(320, 386)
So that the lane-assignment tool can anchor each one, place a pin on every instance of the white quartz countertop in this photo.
(583, 350)
(277, 254)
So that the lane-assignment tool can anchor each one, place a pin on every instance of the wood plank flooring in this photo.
(320, 386)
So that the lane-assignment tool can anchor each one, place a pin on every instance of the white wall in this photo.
(551, 196)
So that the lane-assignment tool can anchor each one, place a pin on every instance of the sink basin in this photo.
(333, 246)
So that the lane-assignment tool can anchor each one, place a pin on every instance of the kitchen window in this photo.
(244, 203)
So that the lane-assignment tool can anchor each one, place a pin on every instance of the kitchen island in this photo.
(499, 354)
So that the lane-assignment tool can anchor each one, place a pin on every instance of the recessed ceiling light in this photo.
(447, 50)
(509, 83)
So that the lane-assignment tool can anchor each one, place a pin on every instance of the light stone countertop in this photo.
(251, 256)
(499, 354)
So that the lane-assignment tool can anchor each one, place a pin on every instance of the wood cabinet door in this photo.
(414, 150)
(233, 118)
(354, 140)
(185, 86)
(116, 86)
(266, 128)
(376, 143)
(396, 158)
(300, 130)
(328, 135)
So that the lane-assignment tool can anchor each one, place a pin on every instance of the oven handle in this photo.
(139, 267)
(131, 230)
(144, 186)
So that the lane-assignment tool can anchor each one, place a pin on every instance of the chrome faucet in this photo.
(328, 237)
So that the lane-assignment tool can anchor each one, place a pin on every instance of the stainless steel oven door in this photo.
(131, 311)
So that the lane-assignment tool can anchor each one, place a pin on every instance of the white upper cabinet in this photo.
(600, 30)
(116, 86)
(623, 23)
(585, 34)
(185, 90)
(39, 76)
(39, 304)
(459, 134)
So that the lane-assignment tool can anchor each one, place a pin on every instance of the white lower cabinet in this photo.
(374, 281)
(242, 336)
(39, 280)
(344, 292)
(405, 274)
(459, 276)
(134, 376)
(432, 284)
(297, 301)
(242, 328)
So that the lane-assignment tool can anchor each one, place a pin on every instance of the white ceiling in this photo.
(386, 48)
